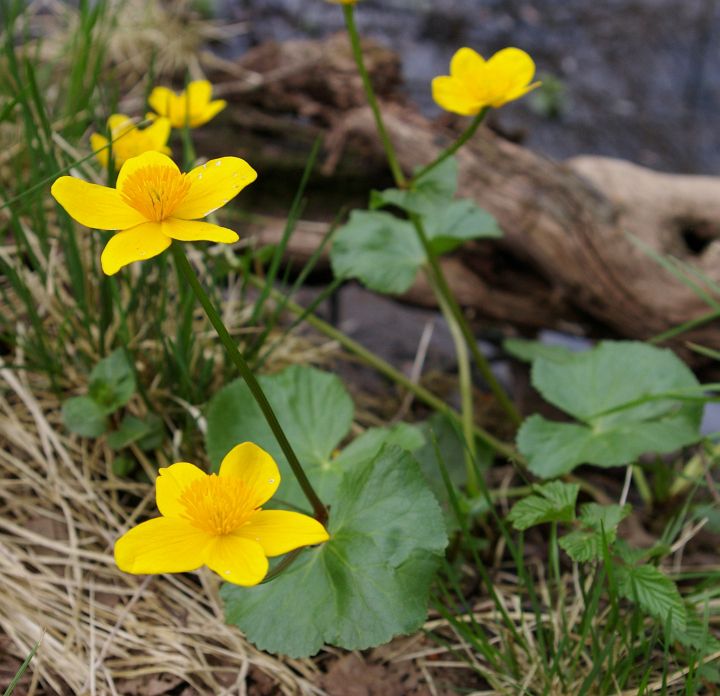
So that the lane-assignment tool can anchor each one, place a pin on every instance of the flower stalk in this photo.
(438, 279)
(435, 273)
(349, 13)
(466, 396)
(319, 510)
(386, 369)
(456, 145)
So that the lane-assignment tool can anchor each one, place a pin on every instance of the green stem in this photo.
(436, 272)
(554, 554)
(450, 151)
(444, 291)
(389, 371)
(466, 396)
(642, 485)
(397, 173)
(282, 566)
(320, 511)
(189, 156)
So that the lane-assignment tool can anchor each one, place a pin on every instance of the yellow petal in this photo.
(162, 545)
(212, 185)
(170, 484)
(136, 244)
(196, 231)
(119, 123)
(197, 93)
(157, 134)
(198, 118)
(99, 145)
(467, 64)
(454, 96)
(512, 70)
(237, 560)
(521, 91)
(161, 100)
(94, 206)
(147, 159)
(255, 467)
(280, 531)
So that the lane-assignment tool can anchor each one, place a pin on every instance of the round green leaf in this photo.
(112, 381)
(314, 410)
(378, 249)
(588, 384)
(83, 416)
(615, 390)
(369, 582)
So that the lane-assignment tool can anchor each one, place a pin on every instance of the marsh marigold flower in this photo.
(217, 521)
(130, 141)
(475, 83)
(192, 107)
(154, 203)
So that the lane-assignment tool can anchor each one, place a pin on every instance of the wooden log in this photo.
(573, 231)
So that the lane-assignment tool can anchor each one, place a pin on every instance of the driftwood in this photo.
(571, 254)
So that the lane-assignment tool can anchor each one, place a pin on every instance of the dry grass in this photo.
(61, 507)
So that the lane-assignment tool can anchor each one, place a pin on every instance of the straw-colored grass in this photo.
(61, 508)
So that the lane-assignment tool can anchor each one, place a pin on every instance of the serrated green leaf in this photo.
(592, 386)
(654, 592)
(112, 382)
(627, 553)
(607, 517)
(378, 249)
(583, 545)
(552, 502)
(696, 634)
(367, 584)
(586, 543)
(314, 410)
(83, 416)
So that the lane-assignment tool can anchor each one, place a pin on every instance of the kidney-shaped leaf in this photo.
(616, 391)
(369, 582)
(590, 383)
(112, 381)
(378, 249)
(314, 410)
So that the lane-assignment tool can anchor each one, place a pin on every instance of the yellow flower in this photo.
(192, 107)
(474, 83)
(216, 520)
(153, 204)
(129, 140)
(343, 2)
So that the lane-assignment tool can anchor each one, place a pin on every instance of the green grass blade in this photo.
(23, 667)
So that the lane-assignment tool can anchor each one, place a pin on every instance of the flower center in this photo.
(218, 505)
(155, 191)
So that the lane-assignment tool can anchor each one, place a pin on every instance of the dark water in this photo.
(637, 79)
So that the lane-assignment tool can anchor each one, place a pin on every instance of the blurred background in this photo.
(637, 79)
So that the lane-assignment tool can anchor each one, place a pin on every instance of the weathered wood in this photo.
(569, 227)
